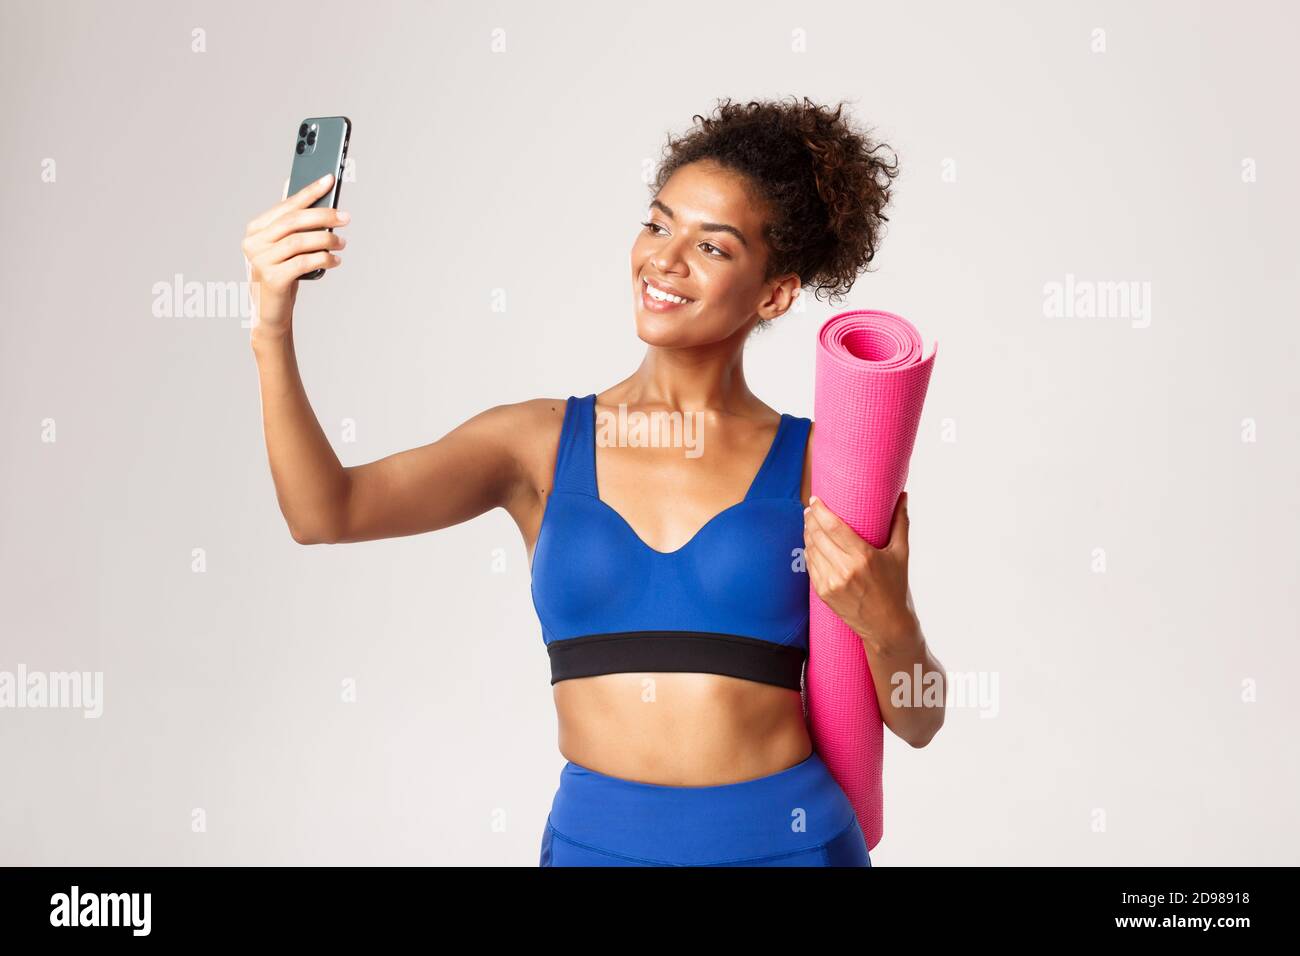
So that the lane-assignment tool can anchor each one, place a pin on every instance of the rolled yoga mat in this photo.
(871, 382)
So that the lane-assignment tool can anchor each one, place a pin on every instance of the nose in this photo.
(667, 256)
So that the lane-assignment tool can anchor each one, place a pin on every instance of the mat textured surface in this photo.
(871, 381)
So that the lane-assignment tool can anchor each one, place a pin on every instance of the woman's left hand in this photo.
(866, 586)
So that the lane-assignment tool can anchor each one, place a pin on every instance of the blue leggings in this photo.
(796, 817)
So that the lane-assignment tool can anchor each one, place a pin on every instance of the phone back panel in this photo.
(324, 152)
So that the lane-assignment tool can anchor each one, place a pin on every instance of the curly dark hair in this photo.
(824, 187)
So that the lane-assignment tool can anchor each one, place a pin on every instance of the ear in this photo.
(782, 297)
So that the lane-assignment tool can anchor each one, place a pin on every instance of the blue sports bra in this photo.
(733, 600)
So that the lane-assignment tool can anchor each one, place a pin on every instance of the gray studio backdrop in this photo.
(1096, 221)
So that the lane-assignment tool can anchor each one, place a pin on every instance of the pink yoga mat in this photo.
(871, 381)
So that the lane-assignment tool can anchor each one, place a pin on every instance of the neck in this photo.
(707, 378)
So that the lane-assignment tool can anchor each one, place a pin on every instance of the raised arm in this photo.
(472, 469)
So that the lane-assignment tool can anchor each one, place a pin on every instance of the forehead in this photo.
(706, 192)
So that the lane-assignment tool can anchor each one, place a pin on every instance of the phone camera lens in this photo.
(311, 138)
(302, 130)
(301, 146)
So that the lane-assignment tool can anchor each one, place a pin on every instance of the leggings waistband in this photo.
(791, 811)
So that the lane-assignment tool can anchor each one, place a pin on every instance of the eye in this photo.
(651, 226)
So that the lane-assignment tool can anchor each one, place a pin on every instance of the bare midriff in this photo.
(675, 729)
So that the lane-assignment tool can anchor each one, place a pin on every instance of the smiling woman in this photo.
(817, 182)
(702, 610)
(670, 582)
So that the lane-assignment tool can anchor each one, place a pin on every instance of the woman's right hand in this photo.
(286, 242)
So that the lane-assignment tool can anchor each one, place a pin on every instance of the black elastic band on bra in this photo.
(703, 652)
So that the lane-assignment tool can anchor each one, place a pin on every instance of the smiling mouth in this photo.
(658, 297)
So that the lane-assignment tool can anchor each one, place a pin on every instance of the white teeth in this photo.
(662, 296)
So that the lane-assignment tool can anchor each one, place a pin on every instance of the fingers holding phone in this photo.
(294, 239)
(291, 239)
(321, 150)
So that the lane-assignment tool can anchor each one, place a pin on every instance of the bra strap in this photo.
(782, 473)
(575, 460)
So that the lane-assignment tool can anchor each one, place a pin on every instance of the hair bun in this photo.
(824, 184)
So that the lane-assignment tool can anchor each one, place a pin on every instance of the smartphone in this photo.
(321, 147)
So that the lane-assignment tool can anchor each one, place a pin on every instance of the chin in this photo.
(661, 331)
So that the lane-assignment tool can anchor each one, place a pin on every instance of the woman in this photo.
(670, 578)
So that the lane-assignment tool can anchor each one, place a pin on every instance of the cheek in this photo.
(640, 250)
(727, 299)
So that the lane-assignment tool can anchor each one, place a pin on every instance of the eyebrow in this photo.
(706, 226)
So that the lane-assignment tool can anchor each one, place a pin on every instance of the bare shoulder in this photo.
(530, 414)
(531, 428)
